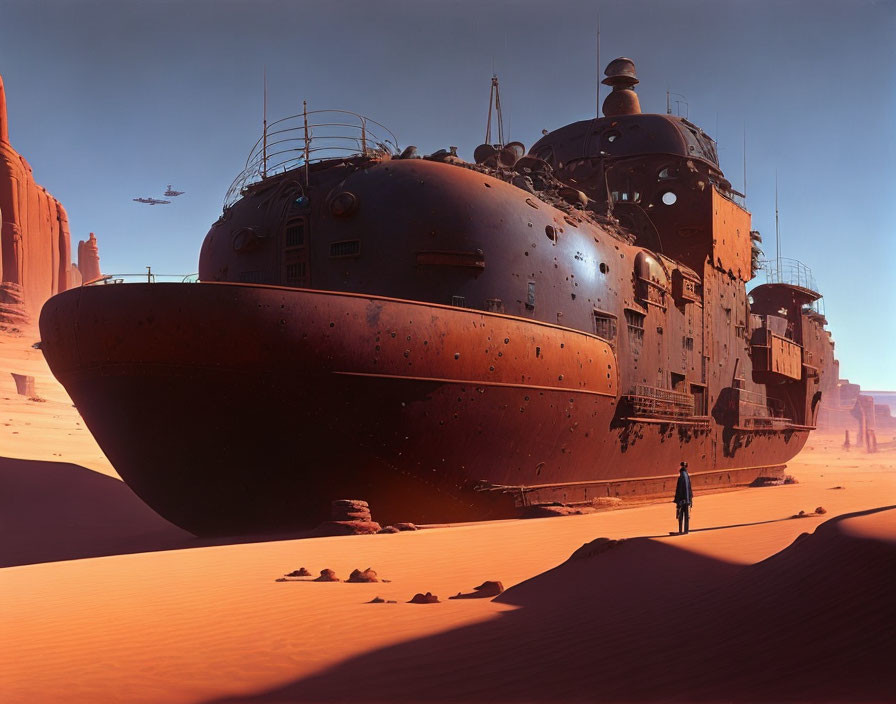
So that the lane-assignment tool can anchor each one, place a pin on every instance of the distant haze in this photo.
(114, 100)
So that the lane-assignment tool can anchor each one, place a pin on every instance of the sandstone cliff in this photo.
(35, 245)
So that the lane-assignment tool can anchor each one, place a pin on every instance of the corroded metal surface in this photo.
(450, 340)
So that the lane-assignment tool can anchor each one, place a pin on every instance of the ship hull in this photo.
(237, 408)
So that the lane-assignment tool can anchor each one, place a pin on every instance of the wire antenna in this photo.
(745, 163)
(494, 104)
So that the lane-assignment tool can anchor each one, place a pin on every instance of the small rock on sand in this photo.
(389, 529)
(428, 598)
(301, 572)
(331, 528)
(790, 479)
(767, 481)
(327, 575)
(405, 526)
(377, 600)
(350, 510)
(483, 591)
(367, 575)
(820, 509)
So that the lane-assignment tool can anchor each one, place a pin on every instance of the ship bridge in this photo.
(623, 136)
(783, 272)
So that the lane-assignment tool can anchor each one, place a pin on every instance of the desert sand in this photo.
(752, 605)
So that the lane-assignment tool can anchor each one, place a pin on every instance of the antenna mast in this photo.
(264, 146)
(494, 100)
(777, 228)
(745, 163)
(598, 64)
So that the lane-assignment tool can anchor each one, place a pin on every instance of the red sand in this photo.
(739, 610)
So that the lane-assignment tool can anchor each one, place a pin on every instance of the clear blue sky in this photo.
(113, 100)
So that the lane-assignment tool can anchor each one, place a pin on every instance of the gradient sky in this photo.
(113, 100)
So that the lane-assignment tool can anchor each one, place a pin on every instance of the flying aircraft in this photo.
(151, 201)
(171, 192)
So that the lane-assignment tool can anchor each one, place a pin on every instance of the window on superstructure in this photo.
(295, 273)
(605, 326)
(295, 232)
(635, 323)
(667, 174)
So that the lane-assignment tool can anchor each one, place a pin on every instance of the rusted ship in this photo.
(451, 340)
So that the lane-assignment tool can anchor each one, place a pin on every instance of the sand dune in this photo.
(80, 513)
(646, 620)
(200, 624)
(739, 610)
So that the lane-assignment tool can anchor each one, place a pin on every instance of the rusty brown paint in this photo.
(448, 351)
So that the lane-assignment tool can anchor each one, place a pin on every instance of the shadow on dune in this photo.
(53, 511)
(642, 620)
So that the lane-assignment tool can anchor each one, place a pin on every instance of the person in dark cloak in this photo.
(684, 498)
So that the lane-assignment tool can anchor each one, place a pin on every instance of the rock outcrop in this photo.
(89, 259)
(35, 244)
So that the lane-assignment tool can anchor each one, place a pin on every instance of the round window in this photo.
(612, 135)
(669, 198)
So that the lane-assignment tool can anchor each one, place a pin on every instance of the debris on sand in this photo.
(604, 502)
(350, 510)
(348, 517)
(428, 598)
(334, 528)
(767, 481)
(24, 384)
(377, 600)
(398, 528)
(790, 479)
(301, 572)
(367, 575)
(483, 591)
(835, 487)
(327, 575)
(803, 514)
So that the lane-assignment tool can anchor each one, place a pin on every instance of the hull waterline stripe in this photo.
(478, 383)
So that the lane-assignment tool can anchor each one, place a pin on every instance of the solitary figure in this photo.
(684, 499)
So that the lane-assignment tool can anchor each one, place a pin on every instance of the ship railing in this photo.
(655, 402)
(793, 272)
(756, 405)
(309, 137)
(144, 278)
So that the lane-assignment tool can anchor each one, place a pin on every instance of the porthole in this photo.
(669, 198)
(667, 174)
(551, 233)
(604, 268)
